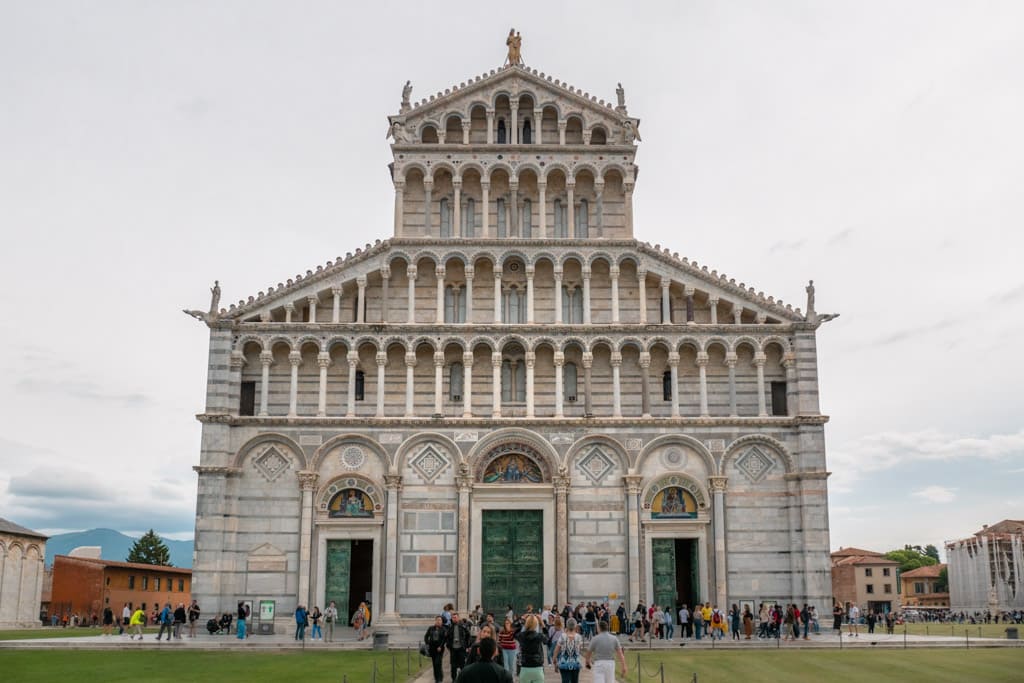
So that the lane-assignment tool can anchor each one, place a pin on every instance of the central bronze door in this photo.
(512, 560)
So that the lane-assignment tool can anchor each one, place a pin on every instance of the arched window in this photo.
(522, 305)
(572, 305)
(502, 134)
(513, 381)
(527, 230)
(583, 219)
(569, 377)
(559, 218)
(455, 375)
(361, 384)
(512, 309)
(446, 218)
(527, 137)
(666, 385)
(500, 209)
(469, 218)
(449, 304)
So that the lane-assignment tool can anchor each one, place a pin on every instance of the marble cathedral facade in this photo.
(512, 399)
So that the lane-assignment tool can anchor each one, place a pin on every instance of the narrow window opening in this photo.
(247, 399)
(360, 385)
(501, 132)
(779, 406)
(569, 381)
(666, 385)
(455, 381)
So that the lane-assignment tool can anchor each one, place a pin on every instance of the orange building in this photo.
(919, 587)
(84, 586)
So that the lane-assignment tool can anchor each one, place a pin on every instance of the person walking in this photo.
(531, 642)
(805, 617)
(179, 620)
(434, 639)
(108, 620)
(734, 621)
(473, 653)
(136, 622)
(507, 643)
(166, 620)
(193, 618)
(330, 617)
(837, 618)
(568, 652)
(126, 618)
(240, 622)
(359, 620)
(458, 641)
(748, 623)
(852, 618)
(301, 619)
(486, 670)
(601, 654)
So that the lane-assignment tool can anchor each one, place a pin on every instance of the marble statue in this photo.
(515, 45)
(214, 297)
(810, 299)
(630, 131)
(406, 94)
(620, 93)
(399, 133)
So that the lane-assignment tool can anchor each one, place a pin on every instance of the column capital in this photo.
(466, 125)
(489, 113)
(702, 358)
(718, 484)
(570, 183)
(513, 184)
(760, 359)
(464, 478)
(558, 273)
(439, 359)
(467, 358)
(266, 358)
(673, 358)
(562, 124)
(457, 182)
(307, 480)
(412, 272)
(689, 290)
(542, 185)
(385, 272)
(336, 290)
(616, 359)
(645, 359)
(762, 317)
(352, 357)
(614, 272)
(632, 483)
(586, 272)
(731, 358)
(789, 360)
(485, 184)
(665, 283)
(294, 358)
(562, 484)
(361, 281)
(410, 360)
(531, 359)
(497, 276)
(530, 270)
(588, 360)
(470, 272)
(599, 186)
(399, 184)
(265, 317)
(393, 482)
(382, 358)
(496, 359)
(713, 300)
(290, 307)
(312, 300)
(641, 273)
(559, 359)
(439, 272)
(627, 187)
(323, 359)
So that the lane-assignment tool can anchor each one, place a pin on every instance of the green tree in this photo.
(911, 557)
(150, 550)
(932, 552)
(942, 585)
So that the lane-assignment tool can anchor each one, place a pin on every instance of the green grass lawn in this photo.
(35, 633)
(152, 666)
(834, 666)
(975, 630)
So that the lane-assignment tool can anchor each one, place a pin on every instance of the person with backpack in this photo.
(567, 654)
(166, 620)
(458, 642)
(717, 623)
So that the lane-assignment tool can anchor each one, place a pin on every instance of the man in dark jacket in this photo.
(434, 639)
(459, 640)
(486, 671)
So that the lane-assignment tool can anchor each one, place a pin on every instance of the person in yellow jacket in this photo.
(136, 622)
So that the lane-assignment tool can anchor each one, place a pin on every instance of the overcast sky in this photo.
(147, 148)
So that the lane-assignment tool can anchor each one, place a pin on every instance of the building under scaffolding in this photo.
(985, 569)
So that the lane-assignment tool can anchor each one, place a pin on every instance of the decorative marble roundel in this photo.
(352, 458)
(674, 458)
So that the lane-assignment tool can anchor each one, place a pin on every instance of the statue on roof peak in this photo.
(515, 48)
(406, 94)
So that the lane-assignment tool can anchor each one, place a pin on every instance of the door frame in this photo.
(683, 530)
(526, 497)
(352, 531)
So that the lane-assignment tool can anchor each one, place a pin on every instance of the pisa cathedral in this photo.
(512, 400)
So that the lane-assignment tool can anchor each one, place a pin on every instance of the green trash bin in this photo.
(1012, 633)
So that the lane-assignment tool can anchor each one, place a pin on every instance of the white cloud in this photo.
(936, 494)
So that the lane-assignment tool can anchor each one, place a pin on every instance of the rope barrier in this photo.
(660, 673)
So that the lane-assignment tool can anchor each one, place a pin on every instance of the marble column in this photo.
(392, 492)
(411, 294)
(439, 299)
(470, 273)
(235, 364)
(538, 118)
(721, 578)
(586, 295)
(385, 293)
(410, 387)
(542, 218)
(759, 361)
(713, 307)
(438, 383)
(641, 281)
(295, 358)
(599, 208)
(789, 363)
(529, 294)
(457, 208)
(289, 313)
(382, 361)
(266, 359)
(616, 384)
(428, 188)
(628, 188)
(702, 369)
(645, 383)
(361, 299)
(558, 296)
(336, 305)
(561, 486)
(531, 361)
(737, 314)
(632, 483)
(588, 364)
(666, 302)
(513, 126)
(497, 295)
(490, 127)
(464, 482)
(570, 210)
(496, 384)
(350, 405)
(514, 228)
(312, 301)
(730, 362)
(485, 209)
(323, 361)
(466, 125)
(561, 131)
(399, 206)
(614, 273)
(559, 384)
(673, 364)
(307, 484)
(688, 292)
(467, 384)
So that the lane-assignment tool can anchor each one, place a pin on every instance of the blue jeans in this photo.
(670, 630)
(317, 632)
(508, 657)
(300, 631)
(240, 629)
(697, 628)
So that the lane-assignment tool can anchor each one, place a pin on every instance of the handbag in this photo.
(424, 652)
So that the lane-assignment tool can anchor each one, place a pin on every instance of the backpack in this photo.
(716, 618)
(569, 655)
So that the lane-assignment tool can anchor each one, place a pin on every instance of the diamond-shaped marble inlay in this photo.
(271, 464)
(429, 463)
(352, 458)
(755, 464)
(596, 465)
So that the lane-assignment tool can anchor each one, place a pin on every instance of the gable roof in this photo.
(929, 572)
(9, 527)
(856, 552)
(125, 565)
(1007, 526)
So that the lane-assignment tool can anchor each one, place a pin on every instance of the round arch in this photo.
(333, 442)
(682, 439)
(410, 445)
(485, 450)
(283, 442)
(767, 442)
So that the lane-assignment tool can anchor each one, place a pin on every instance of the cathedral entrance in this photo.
(675, 563)
(512, 560)
(349, 575)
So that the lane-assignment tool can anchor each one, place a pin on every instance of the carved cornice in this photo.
(224, 471)
(819, 475)
(479, 422)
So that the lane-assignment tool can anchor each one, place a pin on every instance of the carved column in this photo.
(561, 486)
(385, 293)
(361, 299)
(312, 301)
(513, 126)
(307, 484)
(336, 304)
(514, 226)
(399, 206)
(631, 483)
(721, 578)
(645, 383)
(641, 281)
(439, 317)
(496, 384)
(614, 273)
(470, 273)
(266, 359)
(599, 208)
(350, 405)
(542, 222)
(759, 360)
(531, 360)
(558, 297)
(382, 361)
(789, 362)
(497, 295)
(559, 384)
(295, 358)
(730, 362)
(323, 361)
(616, 384)
(438, 383)
(688, 292)
(464, 482)
(628, 188)
(713, 307)
(588, 363)
(570, 211)
(467, 384)
(485, 205)
(561, 131)
(538, 117)
(457, 208)
(235, 364)
(702, 369)
(586, 295)
(411, 274)
(466, 125)
(410, 388)
(428, 188)
(529, 294)
(666, 302)
(289, 312)
(393, 492)
(673, 364)
(490, 133)
(737, 314)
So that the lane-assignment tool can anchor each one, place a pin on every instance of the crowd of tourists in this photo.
(480, 650)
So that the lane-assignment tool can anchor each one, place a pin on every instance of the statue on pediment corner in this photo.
(397, 131)
(406, 94)
(215, 297)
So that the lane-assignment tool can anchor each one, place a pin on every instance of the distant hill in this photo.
(115, 546)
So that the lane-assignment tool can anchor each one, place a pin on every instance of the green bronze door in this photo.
(339, 566)
(663, 560)
(512, 561)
